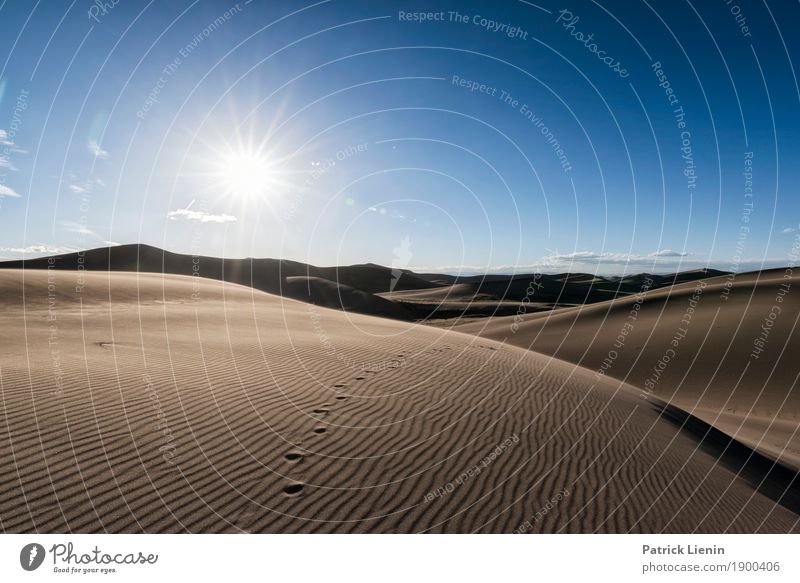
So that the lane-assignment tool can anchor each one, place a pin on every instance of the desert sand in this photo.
(166, 403)
(722, 349)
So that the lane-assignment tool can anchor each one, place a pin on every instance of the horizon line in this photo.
(586, 262)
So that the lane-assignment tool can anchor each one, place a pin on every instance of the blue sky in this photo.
(489, 136)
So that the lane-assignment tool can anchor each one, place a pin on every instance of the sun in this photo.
(245, 173)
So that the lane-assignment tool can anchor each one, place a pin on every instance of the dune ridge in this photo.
(722, 349)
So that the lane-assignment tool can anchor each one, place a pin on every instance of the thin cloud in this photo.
(95, 149)
(7, 191)
(9, 145)
(591, 261)
(79, 228)
(787, 230)
(608, 257)
(668, 253)
(79, 187)
(36, 249)
(200, 216)
(602, 268)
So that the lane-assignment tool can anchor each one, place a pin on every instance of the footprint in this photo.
(340, 398)
(340, 386)
(294, 457)
(360, 378)
(319, 430)
(293, 489)
(322, 411)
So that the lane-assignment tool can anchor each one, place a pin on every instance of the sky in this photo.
(611, 137)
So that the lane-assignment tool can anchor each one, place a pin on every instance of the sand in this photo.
(724, 350)
(149, 403)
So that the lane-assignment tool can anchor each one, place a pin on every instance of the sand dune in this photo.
(358, 283)
(141, 402)
(264, 274)
(478, 296)
(541, 290)
(323, 292)
(724, 349)
(364, 288)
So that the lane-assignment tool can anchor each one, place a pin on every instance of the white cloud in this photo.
(36, 249)
(6, 191)
(81, 187)
(662, 261)
(95, 149)
(9, 147)
(787, 230)
(603, 268)
(4, 140)
(595, 257)
(79, 228)
(582, 256)
(200, 216)
(668, 253)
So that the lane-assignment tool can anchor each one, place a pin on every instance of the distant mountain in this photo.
(355, 288)
(356, 283)
(263, 274)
